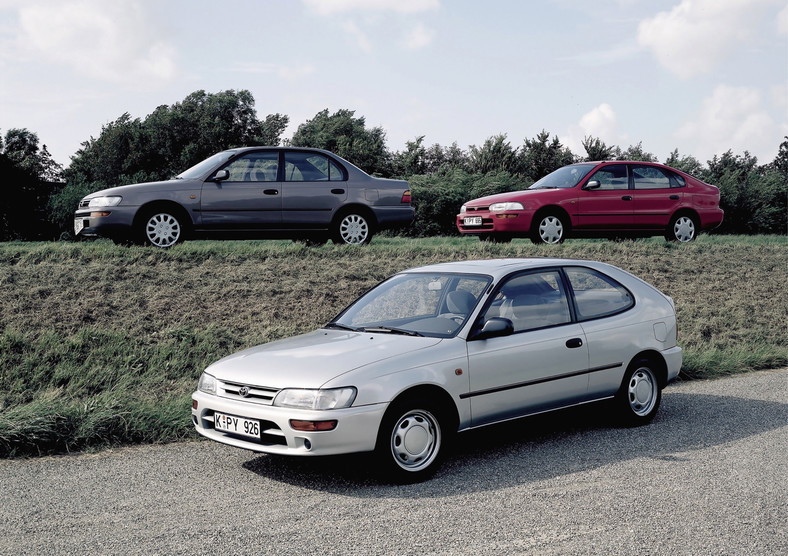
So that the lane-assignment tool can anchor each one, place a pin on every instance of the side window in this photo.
(597, 295)
(260, 166)
(650, 177)
(301, 166)
(676, 180)
(610, 177)
(531, 301)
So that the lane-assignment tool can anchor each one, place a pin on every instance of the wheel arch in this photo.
(558, 210)
(686, 211)
(660, 367)
(358, 208)
(164, 205)
(436, 395)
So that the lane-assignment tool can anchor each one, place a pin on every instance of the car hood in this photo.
(311, 360)
(169, 185)
(510, 196)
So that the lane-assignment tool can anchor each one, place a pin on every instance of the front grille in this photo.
(475, 209)
(84, 203)
(256, 394)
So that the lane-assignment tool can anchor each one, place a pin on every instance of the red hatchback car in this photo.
(598, 199)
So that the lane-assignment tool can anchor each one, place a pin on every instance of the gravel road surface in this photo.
(708, 476)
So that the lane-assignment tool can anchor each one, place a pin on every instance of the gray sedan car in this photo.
(441, 349)
(273, 192)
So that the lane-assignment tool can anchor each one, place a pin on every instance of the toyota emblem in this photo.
(243, 391)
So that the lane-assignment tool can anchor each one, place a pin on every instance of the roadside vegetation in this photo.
(102, 345)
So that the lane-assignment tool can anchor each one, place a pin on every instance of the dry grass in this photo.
(101, 344)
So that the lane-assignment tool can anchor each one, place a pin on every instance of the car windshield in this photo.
(568, 176)
(202, 168)
(416, 304)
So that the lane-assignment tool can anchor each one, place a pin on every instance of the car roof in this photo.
(501, 267)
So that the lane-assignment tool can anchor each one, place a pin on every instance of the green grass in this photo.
(102, 345)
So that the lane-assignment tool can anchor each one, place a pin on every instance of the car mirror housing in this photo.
(593, 184)
(494, 328)
(221, 175)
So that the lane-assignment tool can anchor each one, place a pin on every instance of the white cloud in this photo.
(360, 37)
(782, 21)
(418, 37)
(327, 7)
(696, 35)
(104, 40)
(286, 72)
(601, 122)
(733, 118)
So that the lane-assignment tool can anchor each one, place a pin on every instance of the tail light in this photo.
(406, 197)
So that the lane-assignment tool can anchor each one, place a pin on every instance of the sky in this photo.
(700, 76)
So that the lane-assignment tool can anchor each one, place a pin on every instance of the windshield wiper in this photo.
(342, 327)
(390, 330)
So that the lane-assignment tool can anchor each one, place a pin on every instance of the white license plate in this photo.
(237, 425)
(472, 220)
(79, 225)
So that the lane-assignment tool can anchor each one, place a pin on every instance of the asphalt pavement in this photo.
(708, 476)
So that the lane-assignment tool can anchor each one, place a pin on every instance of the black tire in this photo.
(412, 440)
(640, 395)
(161, 228)
(352, 228)
(549, 228)
(682, 228)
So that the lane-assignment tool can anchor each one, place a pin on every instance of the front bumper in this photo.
(356, 430)
(105, 222)
(505, 222)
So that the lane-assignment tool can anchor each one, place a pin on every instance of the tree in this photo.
(688, 164)
(596, 150)
(21, 148)
(348, 137)
(781, 160)
(540, 156)
(636, 152)
(495, 155)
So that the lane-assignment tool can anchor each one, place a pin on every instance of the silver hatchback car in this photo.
(441, 349)
(272, 192)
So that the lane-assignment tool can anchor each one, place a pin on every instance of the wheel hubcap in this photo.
(684, 229)
(642, 391)
(551, 230)
(353, 229)
(163, 230)
(415, 440)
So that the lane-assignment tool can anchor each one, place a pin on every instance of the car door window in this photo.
(650, 177)
(611, 177)
(531, 301)
(254, 167)
(597, 295)
(301, 166)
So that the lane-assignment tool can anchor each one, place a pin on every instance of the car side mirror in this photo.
(221, 175)
(593, 184)
(495, 327)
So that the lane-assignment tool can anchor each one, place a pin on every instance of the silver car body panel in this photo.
(488, 380)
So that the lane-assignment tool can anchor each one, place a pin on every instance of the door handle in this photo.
(626, 198)
(674, 197)
(574, 343)
(338, 191)
(271, 192)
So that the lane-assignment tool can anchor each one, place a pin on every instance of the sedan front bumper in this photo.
(356, 430)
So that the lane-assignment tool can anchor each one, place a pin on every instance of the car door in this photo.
(605, 201)
(542, 365)
(314, 187)
(657, 193)
(250, 196)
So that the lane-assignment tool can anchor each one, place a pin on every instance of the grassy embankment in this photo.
(102, 345)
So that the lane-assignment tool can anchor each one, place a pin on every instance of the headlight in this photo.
(335, 398)
(462, 209)
(207, 384)
(111, 201)
(497, 207)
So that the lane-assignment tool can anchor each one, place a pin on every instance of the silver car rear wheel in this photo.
(640, 393)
